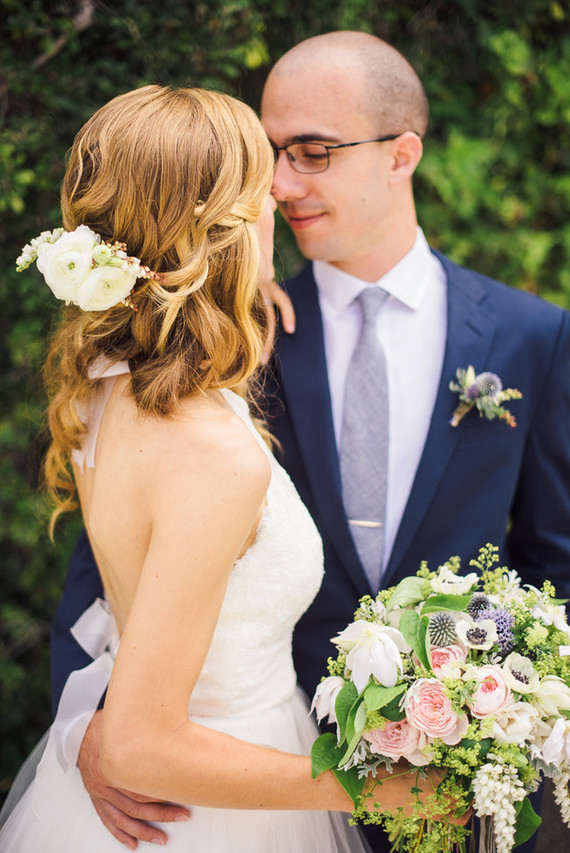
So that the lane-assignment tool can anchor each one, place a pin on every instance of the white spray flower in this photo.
(551, 696)
(325, 698)
(447, 582)
(497, 788)
(372, 650)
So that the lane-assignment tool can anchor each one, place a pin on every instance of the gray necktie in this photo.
(364, 440)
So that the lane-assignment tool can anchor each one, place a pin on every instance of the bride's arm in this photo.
(203, 508)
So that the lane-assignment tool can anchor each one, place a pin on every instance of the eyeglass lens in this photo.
(308, 157)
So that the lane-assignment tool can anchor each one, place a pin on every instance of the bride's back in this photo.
(138, 465)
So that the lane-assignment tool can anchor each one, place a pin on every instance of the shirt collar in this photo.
(407, 282)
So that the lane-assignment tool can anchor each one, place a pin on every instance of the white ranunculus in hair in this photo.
(105, 287)
(65, 263)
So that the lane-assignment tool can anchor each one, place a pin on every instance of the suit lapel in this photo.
(305, 386)
(470, 331)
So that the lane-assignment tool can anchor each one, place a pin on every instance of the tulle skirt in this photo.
(55, 814)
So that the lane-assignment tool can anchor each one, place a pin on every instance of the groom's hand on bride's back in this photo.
(124, 813)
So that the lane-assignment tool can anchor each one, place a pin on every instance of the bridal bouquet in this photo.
(468, 674)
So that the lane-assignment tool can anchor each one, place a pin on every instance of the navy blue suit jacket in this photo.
(477, 483)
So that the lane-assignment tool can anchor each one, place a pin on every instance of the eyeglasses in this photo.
(310, 158)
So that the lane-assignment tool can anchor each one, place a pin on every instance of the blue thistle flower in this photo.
(472, 392)
(488, 384)
(479, 602)
(442, 630)
(504, 622)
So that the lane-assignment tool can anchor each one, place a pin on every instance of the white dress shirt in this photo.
(412, 327)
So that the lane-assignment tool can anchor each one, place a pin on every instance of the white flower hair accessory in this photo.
(81, 269)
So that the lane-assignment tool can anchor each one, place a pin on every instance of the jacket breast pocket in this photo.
(480, 432)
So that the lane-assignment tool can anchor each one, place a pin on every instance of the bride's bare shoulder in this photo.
(205, 438)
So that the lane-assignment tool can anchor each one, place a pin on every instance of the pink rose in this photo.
(430, 710)
(492, 694)
(446, 655)
(398, 740)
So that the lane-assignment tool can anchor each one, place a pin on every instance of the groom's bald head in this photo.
(392, 96)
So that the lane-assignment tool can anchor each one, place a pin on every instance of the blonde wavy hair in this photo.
(180, 177)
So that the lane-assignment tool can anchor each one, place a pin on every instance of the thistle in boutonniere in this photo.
(485, 392)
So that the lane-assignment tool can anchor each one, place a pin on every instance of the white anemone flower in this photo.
(477, 635)
(520, 674)
(372, 650)
(447, 582)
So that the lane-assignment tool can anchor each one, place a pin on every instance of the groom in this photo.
(449, 489)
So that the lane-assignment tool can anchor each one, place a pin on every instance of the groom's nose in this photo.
(288, 185)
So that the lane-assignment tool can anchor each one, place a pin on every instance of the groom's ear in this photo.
(406, 153)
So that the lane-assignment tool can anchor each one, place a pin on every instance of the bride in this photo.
(207, 556)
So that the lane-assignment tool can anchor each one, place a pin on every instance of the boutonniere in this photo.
(485, 392)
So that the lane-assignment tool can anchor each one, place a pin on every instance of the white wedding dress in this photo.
(247, 688)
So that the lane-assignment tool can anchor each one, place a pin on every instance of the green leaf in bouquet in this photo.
(414, 631)
(446, 602)
(519, 760)
(408, 592)
(564, 713)
(350, 782)
(484, 747)
(344, 702)
(325, 753)
(527, 822)
(354, 728)
(392, 711)
(377, 697)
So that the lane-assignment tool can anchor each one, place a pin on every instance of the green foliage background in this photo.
(493, 192)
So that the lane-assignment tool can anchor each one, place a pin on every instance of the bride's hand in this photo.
(124, 813)
(399, 790)
(275, 297)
